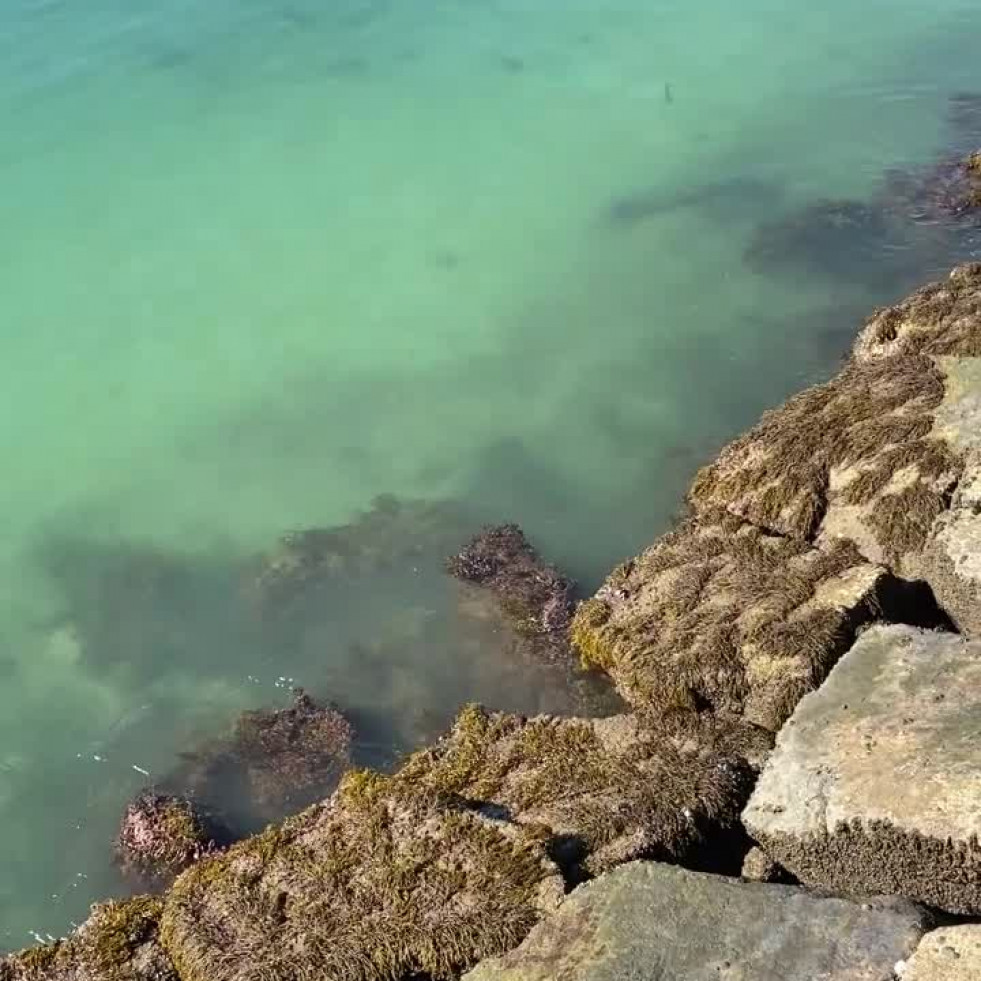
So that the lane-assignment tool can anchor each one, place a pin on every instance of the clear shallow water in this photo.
(261, 262)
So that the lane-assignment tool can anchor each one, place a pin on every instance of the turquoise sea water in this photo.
(264, 260)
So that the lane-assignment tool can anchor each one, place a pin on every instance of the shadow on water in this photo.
(735, 198)
(916, 224)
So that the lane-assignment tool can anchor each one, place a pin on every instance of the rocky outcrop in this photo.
(378, 882)
(160, 836)
(885, 455)
(118, 942)
(603, 791)
(724, 616)
(949, 954)
(648, 922)
(874, 785)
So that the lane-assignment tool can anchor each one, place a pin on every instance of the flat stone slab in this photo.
(652, 922)
(951, 954)
(875, 782)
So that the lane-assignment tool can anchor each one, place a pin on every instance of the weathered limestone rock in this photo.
(721, 615)
(885, 455)
(648, 922)
(950, 954)
(875, 782)
(759, 867)
(118, 942)
(605, 790)
(378, 882)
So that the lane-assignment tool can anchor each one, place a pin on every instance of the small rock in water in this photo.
(160, 836)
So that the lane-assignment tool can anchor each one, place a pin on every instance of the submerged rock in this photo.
(274, 763)
(720, 615)
(841, 239)
(379, 882)
(533, 596)
(160, 836)
(875, 784)
(393, 535)
(648, 922)
(948, 954)
(605, 790)
(118, 942)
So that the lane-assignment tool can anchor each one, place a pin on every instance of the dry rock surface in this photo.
(875, 782)
(652, 922)
(949, 954)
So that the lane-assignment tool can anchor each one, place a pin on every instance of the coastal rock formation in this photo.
(721, 615)
(874, 785)
(533, 596)
(378, 882)
(605, 791)
(647, 922)
(275, 761)
(948, 954)
(885, 455)
(118, 942)
(160, 836)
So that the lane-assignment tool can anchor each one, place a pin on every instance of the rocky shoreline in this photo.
(802, 689)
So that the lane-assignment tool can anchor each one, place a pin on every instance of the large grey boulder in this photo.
(950, 954)
(875, 782)
(652, 922)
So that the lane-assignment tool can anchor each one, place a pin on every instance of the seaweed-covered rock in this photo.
(885, 455)
(652, 922)
(949, 954)
(118, 942)
(535, 598)
(722, 615)
(379, 882)
(276, 761)
(607, 790)
(160, 836)
(875, 785)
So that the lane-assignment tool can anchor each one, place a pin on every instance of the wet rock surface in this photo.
(720, 615)
(874, 783)
(273, 763)
(118, 942)
(533, 596)
(160, 836)
(649, 922)
(948, 954)
(378, 882)
(605, 791)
